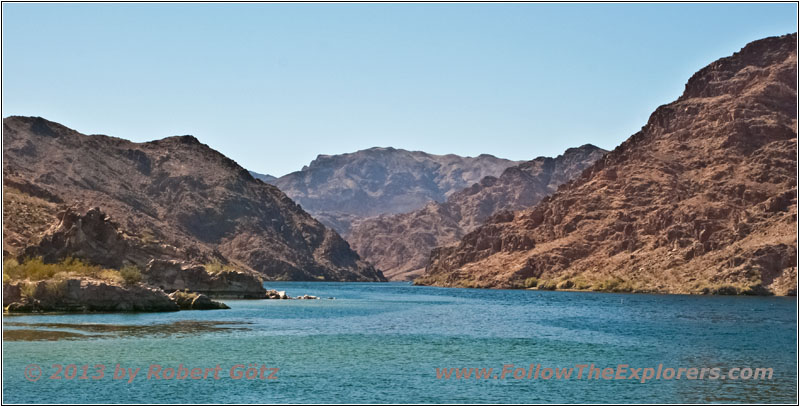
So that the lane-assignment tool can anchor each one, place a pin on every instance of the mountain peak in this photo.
(716, 78)
(701, 200)
(382, 180)
(179, 192)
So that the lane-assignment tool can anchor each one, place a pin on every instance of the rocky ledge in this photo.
(84, 294)
(173, 275)
(87, 294)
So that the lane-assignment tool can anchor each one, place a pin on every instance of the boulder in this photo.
(307, 297)
(193, 301)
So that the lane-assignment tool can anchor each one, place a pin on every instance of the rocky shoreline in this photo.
(89, 295)
(83, 295)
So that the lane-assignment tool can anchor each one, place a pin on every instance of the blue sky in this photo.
(273, 85)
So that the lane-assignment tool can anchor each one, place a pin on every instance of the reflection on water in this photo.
(66, 330)
(38, 335)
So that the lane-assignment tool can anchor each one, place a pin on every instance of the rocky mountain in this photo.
(701, 200)
(400, 244)
(340, 189)
(176, 194)
(263, 177)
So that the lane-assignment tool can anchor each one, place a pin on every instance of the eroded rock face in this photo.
(96, 238)
(175, 192)
(342, 189)
(400, 245)
(85, 295)
(172, 275)
(701, 199)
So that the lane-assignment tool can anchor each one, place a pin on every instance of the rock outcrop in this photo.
(701, 200)
(84, 295)
(95, 238)
(175, 192)
(341, 189)
(187, 300)
(170, 275)
(400, 245)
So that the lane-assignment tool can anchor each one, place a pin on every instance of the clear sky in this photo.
(273, 85)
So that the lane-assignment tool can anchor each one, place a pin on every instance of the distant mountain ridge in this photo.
(340, 189)
(400, 244)
(263, 177)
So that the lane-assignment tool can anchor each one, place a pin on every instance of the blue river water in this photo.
(383, 343)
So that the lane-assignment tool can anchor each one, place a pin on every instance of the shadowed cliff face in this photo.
(701, 200)
(341, 189)
(400, 244)
(176, 191)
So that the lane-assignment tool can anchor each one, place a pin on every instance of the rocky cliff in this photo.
(341, 189)
(400, 244)
(170, 193)
(701, 200)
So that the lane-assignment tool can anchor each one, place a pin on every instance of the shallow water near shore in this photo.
(382, 343)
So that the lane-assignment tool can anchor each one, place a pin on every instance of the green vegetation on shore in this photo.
(36, 269)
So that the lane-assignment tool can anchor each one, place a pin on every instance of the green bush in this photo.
(547, 285)
(216, 267)
(130, 274)
(36, 269)
(531, 282)
(55, 288)
(614, 284)
(581, 284)
(27, 289)
(565, 285)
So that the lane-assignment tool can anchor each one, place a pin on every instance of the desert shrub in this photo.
(55, 288)
(516, 284)
(109, 275)
(547, 285)
(183, 296)
(8, 265)
(148, 236)
(27, 289)
(35, 269)
(581, 284)
(725, 290)
(531, 282)
(466, 283)
(130, 274)
(565, 285)
(614, 284)
(216, 267)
